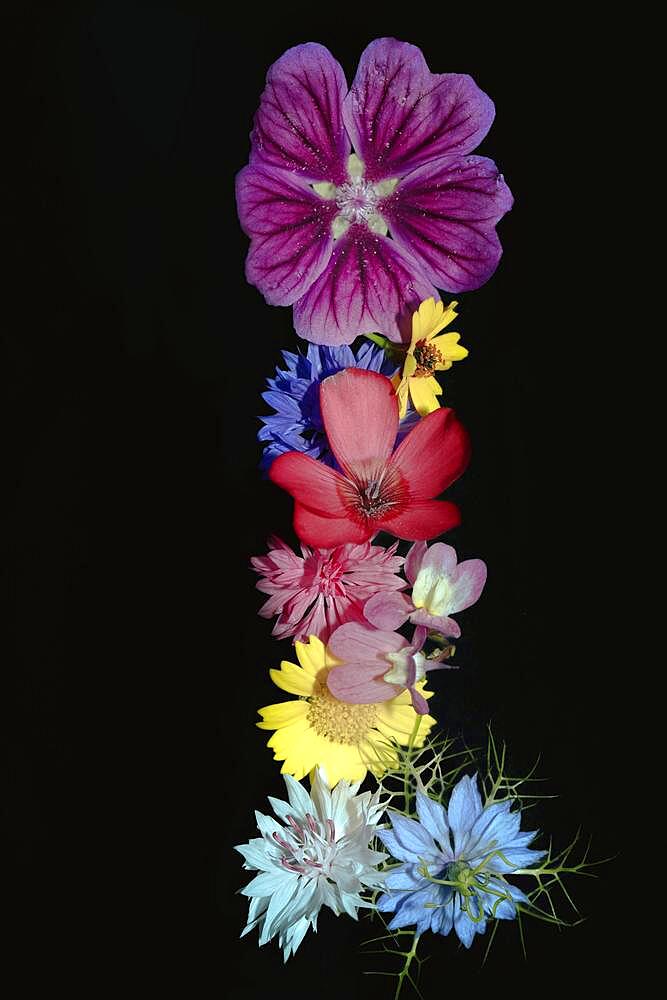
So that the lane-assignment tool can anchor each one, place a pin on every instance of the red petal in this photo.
(360, 414)
(324, 532)
(423, 519)
(433, 455)
(360, 685)
(311, 483)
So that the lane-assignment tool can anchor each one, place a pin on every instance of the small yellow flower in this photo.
(317, 729)
(427, 354)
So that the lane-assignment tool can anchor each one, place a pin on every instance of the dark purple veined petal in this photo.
(446, 213)
(290, 228)
(370, 285)
(299, 123)
(400, 115)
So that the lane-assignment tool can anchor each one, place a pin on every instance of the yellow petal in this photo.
(423, 396)
(293, 679)
(403, 393)
(409, 365)
(292, 745)
(379, 752)
(427, 724)
(342, 761)
(282, 714)
(439, 318)
(300, 753)
(449, 347)
(314, 655)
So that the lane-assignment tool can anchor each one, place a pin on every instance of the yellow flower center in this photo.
(337, 720)
(427, 357)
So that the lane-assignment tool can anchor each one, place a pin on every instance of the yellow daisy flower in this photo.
(427, 354)
(317, 729)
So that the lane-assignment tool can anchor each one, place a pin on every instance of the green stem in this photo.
(408, 757)
(409, 956)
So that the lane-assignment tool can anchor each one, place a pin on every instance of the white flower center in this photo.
(407, 667)
(309, 847)
(432, 592)
(357, 199)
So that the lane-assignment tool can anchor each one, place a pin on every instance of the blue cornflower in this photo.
(454, 864)
(294, 394)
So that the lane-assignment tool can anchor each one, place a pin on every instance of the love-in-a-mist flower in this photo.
(317, 854)
(294, 394)
(440, 587)
(376, 665)
(378, 489)
(427, 353)
(318, 729)
(356, 242)
(314, 593)
(455, 864)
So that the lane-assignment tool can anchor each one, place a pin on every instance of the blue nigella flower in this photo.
(469, 849)
(294, 394)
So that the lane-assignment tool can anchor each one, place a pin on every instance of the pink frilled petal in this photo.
(400, 115)
(360, 685)
(359, 644)
(322, 531)
(370, 285)
(360, 415)
(436, 623)
(467, 584)
(432, 455)
(290, 231)
(422, 519)
(299, 124)
(413, 560)
(446, 213)
(388, 610)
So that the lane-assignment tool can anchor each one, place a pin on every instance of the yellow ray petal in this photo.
(442, 318)
(293, 679)
(282, 714)
(344, 763)
(301, 755)
(403, 394)
(409, 366)
(449, 347)
(423, 397)
(314, 655)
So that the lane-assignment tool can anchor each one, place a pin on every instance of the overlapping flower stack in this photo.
(360, 204)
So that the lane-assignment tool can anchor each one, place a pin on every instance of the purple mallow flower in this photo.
(355, 241)
(294, 394)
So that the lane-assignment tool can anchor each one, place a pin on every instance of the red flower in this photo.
(379, 489)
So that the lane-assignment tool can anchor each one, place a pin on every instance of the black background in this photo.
(136, 353)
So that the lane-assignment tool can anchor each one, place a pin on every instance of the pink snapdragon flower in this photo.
(377, 665)
(314, 593)
(440, 588)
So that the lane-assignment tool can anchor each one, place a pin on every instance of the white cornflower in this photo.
(318, 855)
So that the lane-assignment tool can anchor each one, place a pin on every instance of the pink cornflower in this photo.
(314, 593)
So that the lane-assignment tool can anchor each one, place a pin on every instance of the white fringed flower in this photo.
(318, 855)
